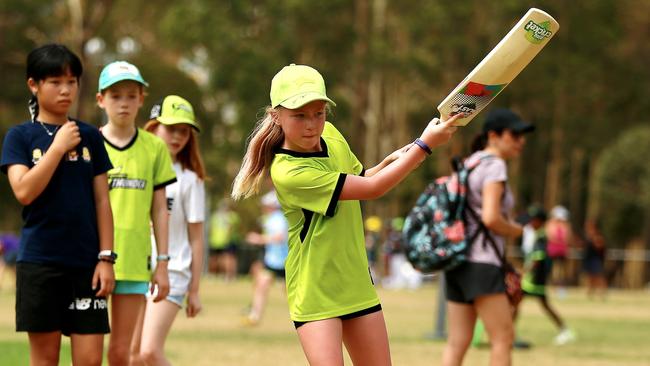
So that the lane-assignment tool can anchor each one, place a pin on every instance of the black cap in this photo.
(533, 212)
(501, 118)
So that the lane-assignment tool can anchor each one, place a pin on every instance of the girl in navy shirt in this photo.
(57, 170)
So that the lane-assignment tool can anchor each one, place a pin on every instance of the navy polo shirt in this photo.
(60, 225)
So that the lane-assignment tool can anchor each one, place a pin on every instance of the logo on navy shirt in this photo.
(37, 155)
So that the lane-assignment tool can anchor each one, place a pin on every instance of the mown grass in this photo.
(610, 332)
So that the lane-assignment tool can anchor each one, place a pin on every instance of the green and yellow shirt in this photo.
(327, 269)
(139, 168)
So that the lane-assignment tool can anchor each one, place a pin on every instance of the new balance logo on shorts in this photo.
(84, 304)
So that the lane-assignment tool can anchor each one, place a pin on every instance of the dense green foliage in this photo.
(387, 64)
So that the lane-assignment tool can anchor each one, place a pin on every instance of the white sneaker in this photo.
(564, 337)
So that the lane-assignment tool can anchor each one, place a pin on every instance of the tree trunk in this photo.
(552, 194)
(360, 97)
(576, 188)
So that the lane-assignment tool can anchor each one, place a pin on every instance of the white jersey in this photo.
(186, 204)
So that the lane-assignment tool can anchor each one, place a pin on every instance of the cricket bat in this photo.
(500, 66)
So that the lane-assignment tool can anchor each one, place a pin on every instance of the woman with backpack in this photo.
(477, 287)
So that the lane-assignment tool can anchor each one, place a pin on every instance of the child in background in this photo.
(57, 169)
(9, 244)
(537, 269)
(142, 170)
(593, 260)
(559, 236)
(274, 240)
(319, 183)
(224, 240)
(172, 119)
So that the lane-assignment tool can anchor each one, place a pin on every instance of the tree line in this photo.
(387, 64)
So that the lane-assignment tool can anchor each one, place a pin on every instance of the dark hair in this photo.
(50, 60)
(480, 140)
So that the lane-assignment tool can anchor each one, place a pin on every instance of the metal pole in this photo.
(440, 325)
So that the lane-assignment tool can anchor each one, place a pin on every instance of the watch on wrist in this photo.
(107, 256)
(163, 258)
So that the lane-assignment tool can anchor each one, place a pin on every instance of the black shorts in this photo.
(231, 248)
(52, 298)
(468, 281)
(356, 314)
(276, 272)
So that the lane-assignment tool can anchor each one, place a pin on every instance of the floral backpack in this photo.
(434, 230)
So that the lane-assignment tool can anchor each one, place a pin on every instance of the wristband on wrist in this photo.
(423, 145)
(163, 258)
(107, 256)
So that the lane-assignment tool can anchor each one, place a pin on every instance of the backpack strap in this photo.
(505, 265)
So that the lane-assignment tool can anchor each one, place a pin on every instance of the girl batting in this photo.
(319, 183)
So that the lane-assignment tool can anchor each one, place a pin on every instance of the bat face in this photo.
(500, 66)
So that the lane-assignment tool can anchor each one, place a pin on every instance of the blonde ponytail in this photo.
(259, 154)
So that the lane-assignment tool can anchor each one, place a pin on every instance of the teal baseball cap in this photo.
(296, 85)
(118, 71)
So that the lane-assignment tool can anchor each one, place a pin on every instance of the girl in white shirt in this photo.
(172, 119)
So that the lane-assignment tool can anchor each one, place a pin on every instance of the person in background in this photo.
(372, 229)
(172, 119)
(401, 273)
(9, 244)
(476, 288)
(274, 240)
(559, 234)
(393, 244)
(537, 269)
(142, 170)
(224, 240)
(57, 168)
(593, 263)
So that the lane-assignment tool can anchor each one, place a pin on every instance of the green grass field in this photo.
(611, 332)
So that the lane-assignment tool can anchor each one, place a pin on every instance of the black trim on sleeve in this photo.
(336, 195)
(305, 226)
(164, 184)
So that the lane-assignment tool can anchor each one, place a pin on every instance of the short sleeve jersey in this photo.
(60, 225)
(327, 269)
(224, 229)
(139, 168)
(491, 169)
(538, 265)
